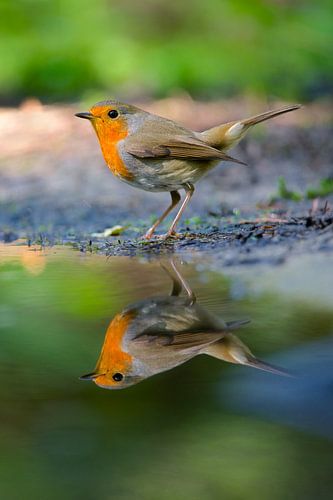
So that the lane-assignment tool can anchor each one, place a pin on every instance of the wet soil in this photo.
(55, 188)
(261, 241)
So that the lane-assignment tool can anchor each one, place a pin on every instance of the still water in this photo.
(224, 377)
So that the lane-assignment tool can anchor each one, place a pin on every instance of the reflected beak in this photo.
(87, 116)
(89, 376)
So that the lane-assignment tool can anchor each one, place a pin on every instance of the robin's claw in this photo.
(171, 235)
(148, 235)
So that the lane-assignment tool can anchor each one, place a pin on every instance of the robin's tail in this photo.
(229, 134)
(231, 349)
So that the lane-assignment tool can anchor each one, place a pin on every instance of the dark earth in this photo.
(55, 188)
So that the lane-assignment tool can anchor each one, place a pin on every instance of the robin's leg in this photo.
(184, 284)
(175, 199)
(179, 282)
(189, 189)
(177, 286)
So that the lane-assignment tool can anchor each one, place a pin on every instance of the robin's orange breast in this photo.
(109, 135)
(113, 356)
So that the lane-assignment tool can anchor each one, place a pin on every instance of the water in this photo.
(204, 429)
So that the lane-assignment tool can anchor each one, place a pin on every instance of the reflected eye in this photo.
(117, 377)
(113, 113)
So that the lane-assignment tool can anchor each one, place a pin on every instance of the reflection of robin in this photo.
(156, 154)
(158, 334)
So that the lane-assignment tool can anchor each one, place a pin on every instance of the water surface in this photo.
(204, 429)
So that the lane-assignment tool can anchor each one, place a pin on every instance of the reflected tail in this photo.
(232, 350)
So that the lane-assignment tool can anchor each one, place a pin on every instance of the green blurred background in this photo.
(72, 49)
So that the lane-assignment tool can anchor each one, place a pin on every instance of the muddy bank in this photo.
(250, 242)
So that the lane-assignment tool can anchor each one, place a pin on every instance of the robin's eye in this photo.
(117, 377)
(113, 113)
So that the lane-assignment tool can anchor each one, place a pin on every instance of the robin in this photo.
(158, 334)
(156, 154)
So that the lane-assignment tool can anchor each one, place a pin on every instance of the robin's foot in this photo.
(149, 234)
(172, 235)
(169, 235)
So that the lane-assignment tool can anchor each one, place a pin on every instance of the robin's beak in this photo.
(90, 376)
(87, 116)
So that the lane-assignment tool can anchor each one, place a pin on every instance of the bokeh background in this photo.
(71, 49)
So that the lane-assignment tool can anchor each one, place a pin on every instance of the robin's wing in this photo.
(198, 339)
(181, 341)
(180, 147)
(169, 316)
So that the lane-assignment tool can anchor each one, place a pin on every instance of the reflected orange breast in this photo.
(113, 357)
